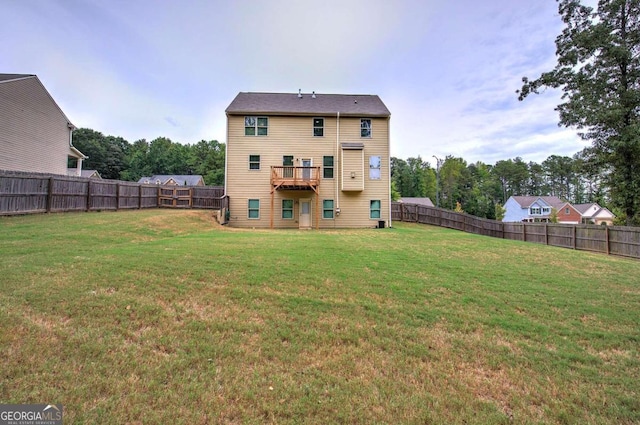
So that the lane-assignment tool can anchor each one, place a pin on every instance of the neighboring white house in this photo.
(595, 214)
(539, 209)
(35, 135)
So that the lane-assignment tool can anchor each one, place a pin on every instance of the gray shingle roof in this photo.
(322, 104)
(7, 77)
(188, 180)
(420, 201)
(526, 201)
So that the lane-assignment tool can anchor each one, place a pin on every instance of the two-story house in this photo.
(35, 135)
(539, 209)
(308, 160)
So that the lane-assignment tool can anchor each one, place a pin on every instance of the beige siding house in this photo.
(308, 160)
(35, 135)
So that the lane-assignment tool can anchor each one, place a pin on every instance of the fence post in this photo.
(117, 196)
(606, 237)
(89, 195)
(524, 232)
(546, 233)
(50, 195)
(575, 236)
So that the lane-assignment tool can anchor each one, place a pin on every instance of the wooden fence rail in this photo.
(614, 240)
(25, 193)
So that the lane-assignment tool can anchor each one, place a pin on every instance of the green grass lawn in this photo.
(162, 316)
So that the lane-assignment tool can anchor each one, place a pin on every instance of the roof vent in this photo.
(299, 93)
(355, 100)
(313, 94)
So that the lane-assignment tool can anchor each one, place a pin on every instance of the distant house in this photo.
(595, 214)
(539, 209)
(173, 180)
(90, 174)
(418, 201)
(35, 135)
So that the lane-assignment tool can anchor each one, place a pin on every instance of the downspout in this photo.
(389, 164)
(337, 162)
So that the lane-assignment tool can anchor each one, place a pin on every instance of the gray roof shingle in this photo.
(321, 104)
(7, 77)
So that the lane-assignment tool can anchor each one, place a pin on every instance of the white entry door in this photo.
(305, 214)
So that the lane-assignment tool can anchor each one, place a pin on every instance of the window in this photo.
(374, 167)
(318, 127)
(256, 126)
(374, 209)
(254, 208)
(287, 209)
(327, 208)
(327, 164)
(534, 211)
(546, 210)
(365, 127)
(566, 211)
(254, 162)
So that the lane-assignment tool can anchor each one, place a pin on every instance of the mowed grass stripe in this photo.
(164, 316)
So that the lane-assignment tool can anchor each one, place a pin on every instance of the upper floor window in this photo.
(318, 127)
(546, 210)
(256, 126)
(327, 167)
(374, 167)
(534, 211)
(365, 127)
(566, 211)
(254, 162)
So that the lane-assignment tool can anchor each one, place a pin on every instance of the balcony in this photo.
(295, 178)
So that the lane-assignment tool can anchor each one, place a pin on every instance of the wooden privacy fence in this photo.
(614, 240)
(23, 193)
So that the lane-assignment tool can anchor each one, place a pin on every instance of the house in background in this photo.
(35, 135)
(308, 160)
(418, 201)
(595, 214)
(173, 180)
(90, 174)
(539, 209)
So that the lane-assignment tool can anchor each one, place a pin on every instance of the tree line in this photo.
(481, 189)
(115, 158)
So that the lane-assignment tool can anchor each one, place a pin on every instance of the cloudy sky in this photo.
(446, 69)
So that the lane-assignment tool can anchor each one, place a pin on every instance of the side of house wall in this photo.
(34, 134)
(513, 211)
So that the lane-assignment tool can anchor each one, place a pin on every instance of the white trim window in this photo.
(256, 126)
(327, 167)
(374, 209)
(253, 209)
(535, 211)
(327, 209)
(374, 167)
(365, 127)
(287, 209)
(318, 127)
(254, 162)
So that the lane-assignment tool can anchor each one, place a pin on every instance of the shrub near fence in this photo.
(616, 240)
(25, 193)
